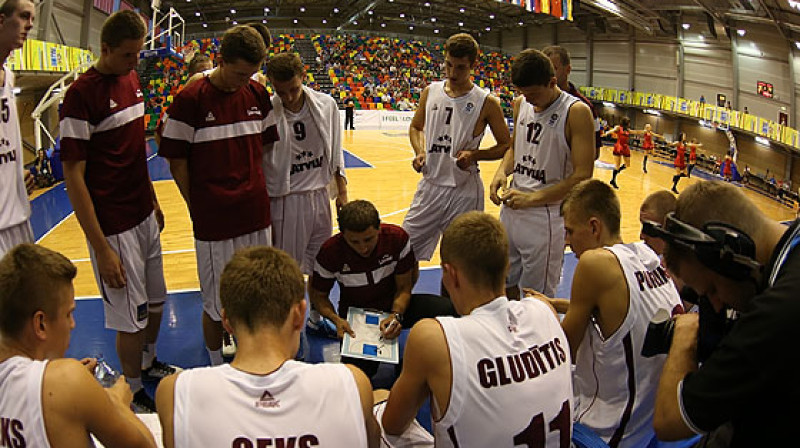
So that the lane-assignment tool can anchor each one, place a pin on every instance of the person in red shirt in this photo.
(214, 136)
(621, 149)
(680, 161)
(375, 267)
(647, 144)
(105, 169)
(692, 155)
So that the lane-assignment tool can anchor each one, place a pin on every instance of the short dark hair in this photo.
(262, 31)
(285, 66)
(462, 45)
(30, 276)
(121, 26)
(625, 123)
(258, 287)
(358, 216)
(477, 243)
(531, 68)
(9, 7)
(199, 58)
(243, 42)
(659, 204)
(594, 198)
(557, 50)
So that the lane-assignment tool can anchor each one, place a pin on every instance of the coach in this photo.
(746, 393)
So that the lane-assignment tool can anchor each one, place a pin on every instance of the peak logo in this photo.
(268, 401)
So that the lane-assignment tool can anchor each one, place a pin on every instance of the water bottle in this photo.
(104, 373)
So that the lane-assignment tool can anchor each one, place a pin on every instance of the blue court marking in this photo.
(352, 161)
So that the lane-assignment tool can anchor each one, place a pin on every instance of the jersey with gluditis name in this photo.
(298, 405)
(14, 206)
(365, 282)
(449, 126)
(21, 403)
(615, 386)
(102, 123)
(512, 381)
(309, 170)
(221, 135)
(542, 155)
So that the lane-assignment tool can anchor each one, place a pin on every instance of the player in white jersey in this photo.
(616, 290)
(264, 397)
(552, 150)
(446, 133)
(306, 159)
(45, 399)
(16, 21)
(500, 374)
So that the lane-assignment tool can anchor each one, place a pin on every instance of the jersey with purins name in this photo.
(221, 134)
(298, 405)
(449, 126)
(309, 170)
(21, 416)
(511, 378)
(615, 386)
(542, 155)
(364, 282)
(14, 206)
(102, 123)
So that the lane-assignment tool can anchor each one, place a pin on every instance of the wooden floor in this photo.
(390, 185)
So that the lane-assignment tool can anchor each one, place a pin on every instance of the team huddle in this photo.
(258, 174)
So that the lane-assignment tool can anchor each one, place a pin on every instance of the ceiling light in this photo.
(370, 12)
(205, 25)
(427, 4)
(383, 25)
(488, 28)
(521, 23)
(402, 15)
(197, 14)
(460, 23)
(302, 9)
(491, 16)
(233, 11)
(462, 10)
(686, 26)
(336, 10)
(324, 21)
(797, 44)
(235, 22)
(762, 140)
(741, 32)
(263, 20)
(436, 31)
(294, 21)
(266, 10)
(411, 27)
(355, 22)
(433, 19)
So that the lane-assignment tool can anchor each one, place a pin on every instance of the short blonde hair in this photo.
(478, 245)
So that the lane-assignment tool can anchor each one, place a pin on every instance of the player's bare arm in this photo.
(341, 190)
(165, 403)
(180, 172)
(108, 262)
(365, 394)
(157, 207)
(416, 133)
(74, 405)
(325, 308)
(426, 370)
(506, 165)
(579, 133)
(667, 419)
(493, 117)
(391, 327)
(599, 289)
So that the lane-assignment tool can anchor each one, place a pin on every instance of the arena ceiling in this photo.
(434, 18)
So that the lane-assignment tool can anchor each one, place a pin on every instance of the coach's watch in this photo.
(398, 317)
